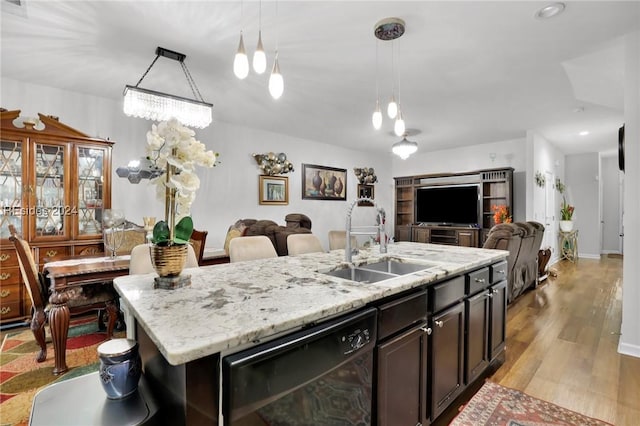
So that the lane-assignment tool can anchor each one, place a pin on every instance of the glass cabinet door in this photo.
(52, 211)
(11, 203)
(90, 190)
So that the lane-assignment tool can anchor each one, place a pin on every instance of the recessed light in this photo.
(550, 10)
(584, 133)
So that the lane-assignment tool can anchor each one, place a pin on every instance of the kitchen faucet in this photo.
(348, 252)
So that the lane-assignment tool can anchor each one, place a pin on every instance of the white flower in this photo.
(169, 143)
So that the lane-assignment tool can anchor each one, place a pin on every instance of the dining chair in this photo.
(197, 240)
(140, 262)
(338, 239)
(251, 248)
(71, 301)
(303, 243)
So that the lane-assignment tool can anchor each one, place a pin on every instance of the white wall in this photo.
(581, 192)
(548, 160)
(630, 338)
(229, 191)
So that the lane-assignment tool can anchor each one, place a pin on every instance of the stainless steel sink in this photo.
(395, 267)
(361, 275)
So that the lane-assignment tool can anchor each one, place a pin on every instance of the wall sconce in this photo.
(272, 164)
(365, 175)
(137, 170)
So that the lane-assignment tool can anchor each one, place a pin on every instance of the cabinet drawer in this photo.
(477, 280)
(89, 250)
(10, 293)
(9, 276)
(499, 272)
(50, 253)
(400, 314)
(8, 258)
(446, 293)
(9, 310)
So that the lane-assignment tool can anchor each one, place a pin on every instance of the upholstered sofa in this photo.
(522, 240)
(296, 223)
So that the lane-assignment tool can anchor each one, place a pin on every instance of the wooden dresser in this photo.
(54, 183)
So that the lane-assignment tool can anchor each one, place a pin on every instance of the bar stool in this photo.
(251, 248)
(338, 240)
(303, 243)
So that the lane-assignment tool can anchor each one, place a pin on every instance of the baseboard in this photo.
(588, 256)
(610, 252)
(629, 349)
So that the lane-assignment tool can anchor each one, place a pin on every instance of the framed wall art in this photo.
(323, 183)
(365, 191)
(274, 190)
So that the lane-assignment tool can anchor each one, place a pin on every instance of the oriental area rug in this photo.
(21, 377)
(497, 405)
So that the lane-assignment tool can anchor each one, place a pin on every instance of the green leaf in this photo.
(183, 230)
(160, 232)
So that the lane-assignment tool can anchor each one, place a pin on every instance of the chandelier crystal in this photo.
(152, 105)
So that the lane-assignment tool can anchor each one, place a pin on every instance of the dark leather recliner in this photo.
(297, 223)
(522, 240)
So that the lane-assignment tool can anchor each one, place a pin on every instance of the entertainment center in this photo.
(454, 209)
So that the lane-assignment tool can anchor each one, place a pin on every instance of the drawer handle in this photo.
(52, 253)
(5, 310)
(4, 256)
(5, 293)
(501, 271)
(496, 291)
(4, 276)
(489, 294)
(426, 330)
(479, 280)
(440, 323)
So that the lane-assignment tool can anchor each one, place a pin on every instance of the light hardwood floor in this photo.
(562, 341)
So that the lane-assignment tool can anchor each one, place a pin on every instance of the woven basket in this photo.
(168, 261)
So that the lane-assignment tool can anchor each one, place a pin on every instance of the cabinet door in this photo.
(48, 192)
(467, 238)
(90, 195)
(497, 319)
(421, 235)
(477, 319)
(12, 202)
(447, 358)
(402, 379)
(403, 233)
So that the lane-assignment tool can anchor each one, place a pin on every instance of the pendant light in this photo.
(398, 126)
(376, 118)
(259, 57)
(276, 82)
(241, 62)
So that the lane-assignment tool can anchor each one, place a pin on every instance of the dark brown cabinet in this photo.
(447, 358)
(497, 319)
(401, 385)
(477, 335)
(495, 188)
(402, 379)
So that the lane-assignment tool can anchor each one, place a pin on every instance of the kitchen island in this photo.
(184, 333)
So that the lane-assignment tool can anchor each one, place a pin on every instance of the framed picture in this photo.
(323, 183)
(274, 190)
(365, 191)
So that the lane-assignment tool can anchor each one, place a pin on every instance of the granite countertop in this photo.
(237, 304)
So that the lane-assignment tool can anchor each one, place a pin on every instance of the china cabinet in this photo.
(54, 183)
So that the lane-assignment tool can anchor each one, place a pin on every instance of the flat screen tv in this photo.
(448, 205)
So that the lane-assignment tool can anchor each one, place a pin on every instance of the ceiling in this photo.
(468, 72)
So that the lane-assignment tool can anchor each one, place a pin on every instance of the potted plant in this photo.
(174, 152)
(566, 216)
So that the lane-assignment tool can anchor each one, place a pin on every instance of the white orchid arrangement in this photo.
(173, 149)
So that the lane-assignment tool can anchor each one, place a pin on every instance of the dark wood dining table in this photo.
(74, 271)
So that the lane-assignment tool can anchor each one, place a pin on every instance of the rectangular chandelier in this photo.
(158, 106)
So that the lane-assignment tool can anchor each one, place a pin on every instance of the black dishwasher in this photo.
(321, 375)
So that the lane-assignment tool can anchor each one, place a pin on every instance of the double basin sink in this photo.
(379, 271)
